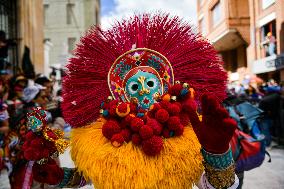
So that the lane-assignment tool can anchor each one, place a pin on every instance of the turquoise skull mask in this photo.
(143, 86)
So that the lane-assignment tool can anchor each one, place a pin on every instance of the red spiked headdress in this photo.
(191, 58)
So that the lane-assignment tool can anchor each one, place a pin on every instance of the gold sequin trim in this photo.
(220, 179)
(60, 143)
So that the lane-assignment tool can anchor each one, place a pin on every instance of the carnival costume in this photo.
(143, 99)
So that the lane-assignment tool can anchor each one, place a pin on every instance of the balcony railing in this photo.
(268, 64)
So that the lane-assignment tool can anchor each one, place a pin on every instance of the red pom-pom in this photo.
(150, 114)
(174, 109)
(122, 107)
(37, 143)
(50, 145)
(175, 89)
(112, 107)
(45, 153)
(136, 124)
(146, 132)
(123, 124)
(133, 108)
(189, 105)
(26, 145)
(30, 135)
(32, 154)
(184, 118)
(126, 133)
(110, 128)
(155, 125)
(117, 140)
(173, 123)
(165, 104)
(112, 110)
(162, 115)
(178, 104)
(179, 130)
(155, 107)
(166, 133)
(136, 139)
(152, 146)
(128, 118)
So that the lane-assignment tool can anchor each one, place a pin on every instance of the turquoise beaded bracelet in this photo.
(218, 161)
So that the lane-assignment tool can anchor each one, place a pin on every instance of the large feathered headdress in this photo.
(191, 57)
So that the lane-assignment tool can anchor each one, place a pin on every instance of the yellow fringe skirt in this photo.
(178, 166)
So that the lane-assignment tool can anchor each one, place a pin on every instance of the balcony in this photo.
(234, 29)
(268, 64)
(228, 40)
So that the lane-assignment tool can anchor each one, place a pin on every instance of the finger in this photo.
(190, 107)
(221, 113)
(229, 126)
(195, 123)
(209, 104)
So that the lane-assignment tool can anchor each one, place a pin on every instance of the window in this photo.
(202, 26)
(216, 14)
(69, 12)
(268, 39)
(45, 15)
(71, 44)
(267, 3)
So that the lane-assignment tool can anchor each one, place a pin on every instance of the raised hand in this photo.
(216, 129)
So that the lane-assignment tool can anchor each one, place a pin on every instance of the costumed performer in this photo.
(143, 99)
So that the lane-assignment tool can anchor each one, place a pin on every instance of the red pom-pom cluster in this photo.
(36, 147)
(165, 119)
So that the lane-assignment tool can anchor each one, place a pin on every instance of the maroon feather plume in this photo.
(193, 60)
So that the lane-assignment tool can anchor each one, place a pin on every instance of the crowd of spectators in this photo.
(269, 97)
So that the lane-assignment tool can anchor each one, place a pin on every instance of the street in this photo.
(268, 175)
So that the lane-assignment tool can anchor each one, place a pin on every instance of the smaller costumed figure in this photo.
(42, 144)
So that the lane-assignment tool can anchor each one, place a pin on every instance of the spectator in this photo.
(45, 82)
(270, 40)
(35, 96)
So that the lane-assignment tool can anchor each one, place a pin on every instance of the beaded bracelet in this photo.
(218, 161)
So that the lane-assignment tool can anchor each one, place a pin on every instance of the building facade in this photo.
(22, 23)
(267, 56)
(243, 31)
(65, 21)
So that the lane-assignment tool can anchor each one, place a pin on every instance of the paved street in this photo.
(268, 175)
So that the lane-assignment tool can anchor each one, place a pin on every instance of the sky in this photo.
(116, 9)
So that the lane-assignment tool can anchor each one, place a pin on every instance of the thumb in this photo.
(190, 107)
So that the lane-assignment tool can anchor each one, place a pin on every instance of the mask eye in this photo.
(152, 83)
(133, 87)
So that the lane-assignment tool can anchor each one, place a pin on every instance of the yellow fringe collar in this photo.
(178, 166)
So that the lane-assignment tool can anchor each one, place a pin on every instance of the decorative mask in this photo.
(140, 74)
(143, 86)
